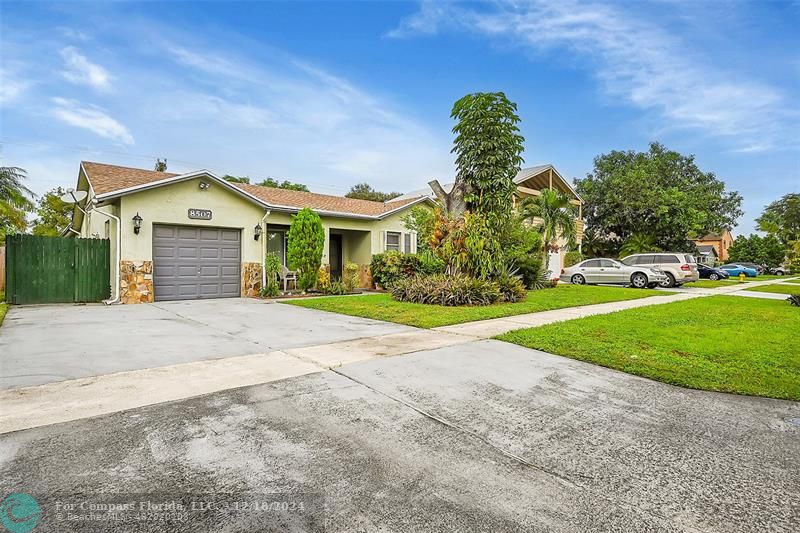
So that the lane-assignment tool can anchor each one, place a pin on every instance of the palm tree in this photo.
(639, 243)
(554, 215)
(15, 201)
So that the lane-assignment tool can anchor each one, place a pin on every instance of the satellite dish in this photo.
(73, 197)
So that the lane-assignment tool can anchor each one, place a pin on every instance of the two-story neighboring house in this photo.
(720, 242)
(530, 182)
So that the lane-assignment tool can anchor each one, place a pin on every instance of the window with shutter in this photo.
(393, 240)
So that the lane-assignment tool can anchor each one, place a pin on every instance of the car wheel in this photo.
(713, 276)
(639, 280)
(670, 281)
(577, 279)
(779, 272)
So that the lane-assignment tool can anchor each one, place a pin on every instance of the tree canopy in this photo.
(15, 201)
(659, 193)
(782, 218)
(268, 182)
(767, 250)
(52, 215)
(364, 191)
(161, 165)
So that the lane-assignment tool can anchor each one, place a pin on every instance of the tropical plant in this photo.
(422, 220)
(510, 284)
(52, 214)
(272, 268)
(543, 278)
(488, 150)
(350, 277)
(323, 278)
(306, 240)
(446, 290)
(429, 263)
(15, 201)
(268, 182)
(364, 191)
(337, 287)
(658, 192)
(553, 214)
(595, 245)
(161, 165)
(639, 243)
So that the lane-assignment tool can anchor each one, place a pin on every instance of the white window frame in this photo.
(397, 247)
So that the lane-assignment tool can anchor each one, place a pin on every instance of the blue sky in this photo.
(330, 94)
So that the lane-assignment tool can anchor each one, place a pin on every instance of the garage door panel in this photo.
(185, 232)
(193, 262)
(230, 270)
(230, 253)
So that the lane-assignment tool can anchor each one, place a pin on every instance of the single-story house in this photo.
(196, 235)
(721, 242)
(707, 254)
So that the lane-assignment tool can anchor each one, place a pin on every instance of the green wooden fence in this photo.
(56, 269)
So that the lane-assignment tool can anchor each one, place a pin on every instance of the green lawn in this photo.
(792, 281)
(3, 307)
(383, 307)
(718, 343)
(708, 284)
(778, 289)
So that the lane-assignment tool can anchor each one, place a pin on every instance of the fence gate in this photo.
(56, 269)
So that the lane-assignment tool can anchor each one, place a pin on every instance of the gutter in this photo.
(115, 299)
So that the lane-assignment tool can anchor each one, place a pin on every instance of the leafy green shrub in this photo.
(429, 264)
(390, 267)
(794, 299)
(272, 267)
(543, 279)
(446, 290)
(572, 258)
(529, 268)
(510, 284)
(306, 241)
(337, 287)
(350, 277)
(323, 279)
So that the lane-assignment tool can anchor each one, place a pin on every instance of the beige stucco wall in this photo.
(170, 205)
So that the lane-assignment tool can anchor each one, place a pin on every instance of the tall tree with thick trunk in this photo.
(488, 150)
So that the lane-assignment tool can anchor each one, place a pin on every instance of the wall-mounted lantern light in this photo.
(257, 231)
(137, 223)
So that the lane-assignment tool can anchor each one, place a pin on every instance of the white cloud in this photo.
(634, 59)
(82, 71)
(11, 86)
(90, 118)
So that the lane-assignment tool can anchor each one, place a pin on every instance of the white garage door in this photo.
(191, 262)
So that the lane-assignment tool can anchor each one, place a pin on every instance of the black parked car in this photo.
(707, 272)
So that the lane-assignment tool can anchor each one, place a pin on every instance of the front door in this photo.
(335, 254)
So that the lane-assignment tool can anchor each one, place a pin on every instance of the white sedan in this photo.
(611, 271)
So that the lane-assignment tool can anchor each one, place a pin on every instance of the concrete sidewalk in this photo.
(486, 329)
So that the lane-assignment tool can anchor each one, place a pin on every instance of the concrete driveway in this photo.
(49, 343)
(483, 436)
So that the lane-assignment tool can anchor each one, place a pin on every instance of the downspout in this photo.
(264, 250)
(114, 300)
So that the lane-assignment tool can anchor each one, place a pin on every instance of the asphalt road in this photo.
(484, 436)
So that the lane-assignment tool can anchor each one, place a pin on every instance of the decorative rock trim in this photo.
(251, 279)
(136, 282)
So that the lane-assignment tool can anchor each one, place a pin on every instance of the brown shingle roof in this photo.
(109, 178)
(319, 202)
